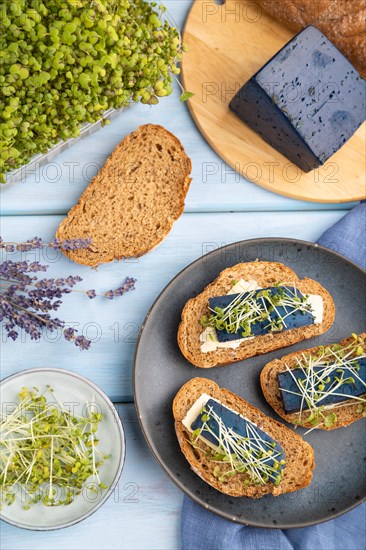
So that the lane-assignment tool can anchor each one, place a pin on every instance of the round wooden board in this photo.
(227, 44)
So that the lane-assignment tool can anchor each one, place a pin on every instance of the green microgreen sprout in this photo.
(312, 386)
(47, 452)
(64, 64)
(361, 408)
(248, 308)
(251, 455)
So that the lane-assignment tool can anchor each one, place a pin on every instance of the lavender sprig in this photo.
(36, 242)
(26, 301)
(128, 285)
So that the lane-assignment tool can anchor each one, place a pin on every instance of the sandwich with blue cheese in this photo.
(322, 387)
(250, 309)
(235, 447)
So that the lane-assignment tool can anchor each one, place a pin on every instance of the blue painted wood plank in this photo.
(55, 187)
(114, 325)
(142, 512)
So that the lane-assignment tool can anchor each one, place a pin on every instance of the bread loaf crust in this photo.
(266, 274)
(300, 463)
(342, 21)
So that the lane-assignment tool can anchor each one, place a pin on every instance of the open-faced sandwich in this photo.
(235, 447)
(250, 309)
(322, 387)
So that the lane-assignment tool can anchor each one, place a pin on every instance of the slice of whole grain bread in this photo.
(266, 274)
(132, 203)
(299, 455)
(345, 414)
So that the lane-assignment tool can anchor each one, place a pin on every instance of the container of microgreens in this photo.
(65, 70)
(62, 448)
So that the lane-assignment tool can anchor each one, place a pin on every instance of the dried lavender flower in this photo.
(128, 285)
(36, 242)
(82, 342)
(26, 301)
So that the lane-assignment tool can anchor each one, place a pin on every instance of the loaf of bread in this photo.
(266, 274)
(297, 472)
(342, 414)
(342, 21)
(132, 203)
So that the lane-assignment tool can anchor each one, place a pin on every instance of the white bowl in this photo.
(74, 389)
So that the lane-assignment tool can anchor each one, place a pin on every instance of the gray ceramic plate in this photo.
(339, 481)
(74, 391)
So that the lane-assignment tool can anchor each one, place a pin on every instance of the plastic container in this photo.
(43, 158)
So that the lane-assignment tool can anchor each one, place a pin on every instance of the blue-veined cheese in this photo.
(306, 102)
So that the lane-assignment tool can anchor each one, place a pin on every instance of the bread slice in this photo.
(345, 414)
(132, 203)
(299, 455)
(266, 274)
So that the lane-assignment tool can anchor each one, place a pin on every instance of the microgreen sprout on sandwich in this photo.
(250, 313)
(235, 447)
(324, 387)
(261, 458)
(250, 309)
(322, 377)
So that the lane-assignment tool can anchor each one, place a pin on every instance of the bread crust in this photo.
(300, 463)
(343, 22)
(266, 274)
(345, 414)
(115, 234)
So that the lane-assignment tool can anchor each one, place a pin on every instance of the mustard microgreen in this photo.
(251, 455)
(66, 63)
(48, 452)
(185, 96)
(248, 308)
(311, 387)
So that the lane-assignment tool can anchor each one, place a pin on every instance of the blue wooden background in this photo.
(221, 207)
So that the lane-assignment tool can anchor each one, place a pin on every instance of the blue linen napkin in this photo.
(203, 530)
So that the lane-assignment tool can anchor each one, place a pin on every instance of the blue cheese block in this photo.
(296, 319)
(292, 402)
(257, 438)
(306, 102)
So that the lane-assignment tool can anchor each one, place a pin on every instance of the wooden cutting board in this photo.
(227, 44)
